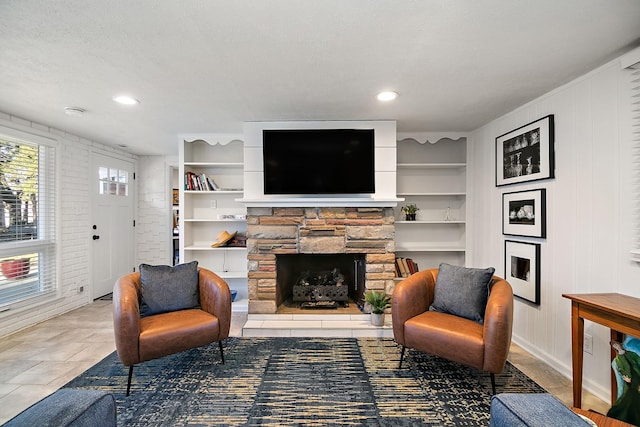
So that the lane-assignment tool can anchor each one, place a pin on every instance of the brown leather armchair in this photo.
(141, 339)
(484, 347)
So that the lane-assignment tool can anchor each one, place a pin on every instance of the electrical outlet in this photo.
(213, 204)
(588, 344)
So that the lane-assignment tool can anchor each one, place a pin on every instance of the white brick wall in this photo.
(74, 230)
(154, 223)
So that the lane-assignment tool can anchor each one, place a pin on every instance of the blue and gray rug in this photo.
(301, 382)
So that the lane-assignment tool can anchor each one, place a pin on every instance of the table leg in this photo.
(577, 343)
(615, 336)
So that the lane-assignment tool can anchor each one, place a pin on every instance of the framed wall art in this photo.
(526, 154)
(522, 269)
(524, 213)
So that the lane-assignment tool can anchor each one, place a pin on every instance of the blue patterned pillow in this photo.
(165, 288)
(462, 291)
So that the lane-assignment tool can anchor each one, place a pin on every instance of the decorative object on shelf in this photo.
(14, 269)
(526, 154)
(524, 213)
(447, 214)
(238, 241)
(626, 366)
(234, 294)
(378, 301)
(223, 238)
(176, 196)
(409, 211)
(522, 269)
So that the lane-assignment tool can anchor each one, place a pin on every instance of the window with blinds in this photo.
(27, 220)
(634, 75)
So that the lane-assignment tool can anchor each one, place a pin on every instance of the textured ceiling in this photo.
(208, 66)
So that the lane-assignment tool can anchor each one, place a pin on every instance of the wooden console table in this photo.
(620, 313)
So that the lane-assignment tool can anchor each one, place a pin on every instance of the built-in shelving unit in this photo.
(204, 213)
(431, 173)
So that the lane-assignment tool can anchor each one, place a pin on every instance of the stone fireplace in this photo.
(275, 234)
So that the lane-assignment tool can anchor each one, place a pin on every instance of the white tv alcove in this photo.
(385, 166)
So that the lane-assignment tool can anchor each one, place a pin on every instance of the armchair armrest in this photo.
(411, 297)
(126, 318)
(215, 298)
(498, 324)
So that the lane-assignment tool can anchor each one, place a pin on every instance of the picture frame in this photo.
(522, 269)
(176, 197)
(526, 153)
(524, 213)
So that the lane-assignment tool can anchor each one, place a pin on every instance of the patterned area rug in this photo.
(301, 382)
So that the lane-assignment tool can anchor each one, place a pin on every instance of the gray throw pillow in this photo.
(165, 288)
(462, 291)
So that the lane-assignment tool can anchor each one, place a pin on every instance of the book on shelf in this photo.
(402, 268)
(202, 182)
(405, 267)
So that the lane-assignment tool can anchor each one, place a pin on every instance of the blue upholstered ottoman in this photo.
(541, 409)
(69, 407)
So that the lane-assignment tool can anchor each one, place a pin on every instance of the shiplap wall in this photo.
(590, 220)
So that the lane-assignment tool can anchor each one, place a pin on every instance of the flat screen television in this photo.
(318, 161)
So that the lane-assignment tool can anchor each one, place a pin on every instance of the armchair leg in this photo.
(493, 383)
(129, 380)
(221, 352)
(401, 357)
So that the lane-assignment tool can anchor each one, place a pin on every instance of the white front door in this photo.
(112, 228)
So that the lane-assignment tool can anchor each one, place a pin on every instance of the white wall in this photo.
(590, 227)
(74, 231)
(154, 223)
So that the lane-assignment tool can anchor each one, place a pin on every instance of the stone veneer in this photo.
(320, 230)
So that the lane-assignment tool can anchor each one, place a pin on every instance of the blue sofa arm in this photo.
(531, 410)
(69, 407)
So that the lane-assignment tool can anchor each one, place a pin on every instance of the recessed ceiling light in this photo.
(126, 100)
(387, 96)
(74, 111)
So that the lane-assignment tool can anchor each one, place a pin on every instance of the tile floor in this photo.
(37, 361)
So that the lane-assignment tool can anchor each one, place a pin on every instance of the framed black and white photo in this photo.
(522, 269)
(524, 213)
(526, 154)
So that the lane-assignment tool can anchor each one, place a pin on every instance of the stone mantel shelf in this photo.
(312, 202)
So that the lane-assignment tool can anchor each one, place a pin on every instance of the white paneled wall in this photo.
(154, 223)
(589, 214)
(74, 231)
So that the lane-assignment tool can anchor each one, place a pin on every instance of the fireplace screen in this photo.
(320, 281)
(321, 288)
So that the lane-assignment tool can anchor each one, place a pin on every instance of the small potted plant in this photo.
(378, 301)
(409, 211)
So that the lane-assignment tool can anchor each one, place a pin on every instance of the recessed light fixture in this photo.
(387, 96)
(74, 111)
(126, 100)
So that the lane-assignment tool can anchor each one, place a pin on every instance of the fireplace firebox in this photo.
(320, 280)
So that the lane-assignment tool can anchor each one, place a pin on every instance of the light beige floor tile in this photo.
(93, 352)
(43, 373)
(12, 367)
(7, 388)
